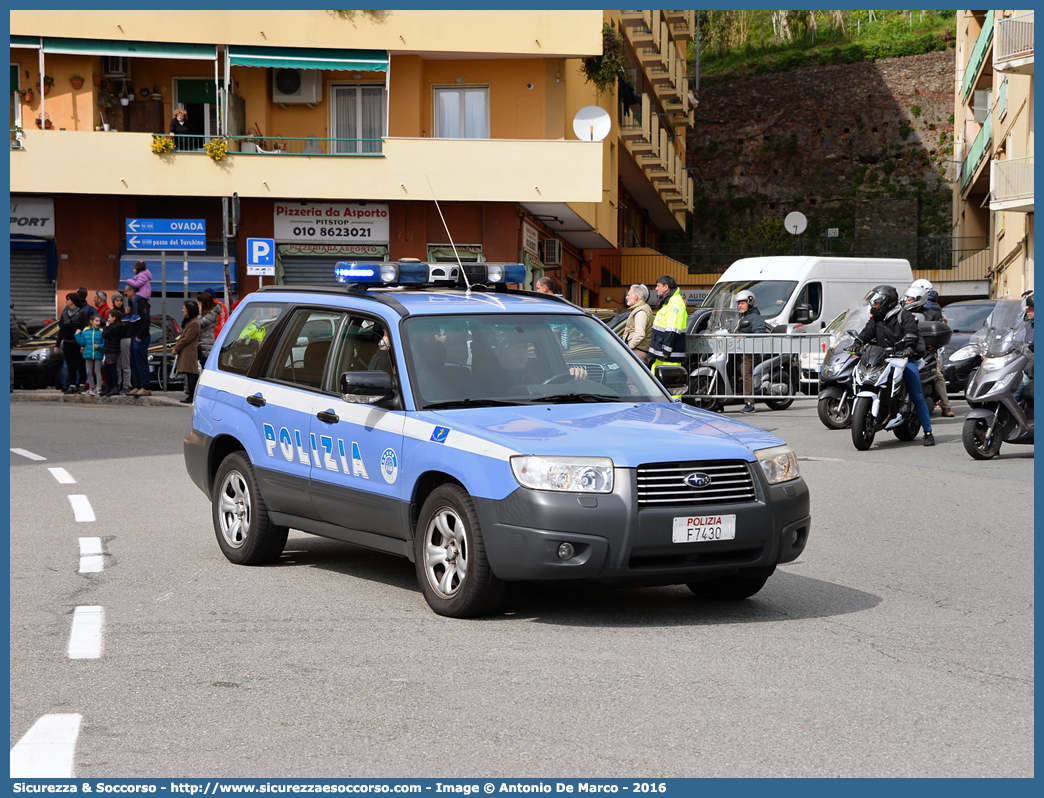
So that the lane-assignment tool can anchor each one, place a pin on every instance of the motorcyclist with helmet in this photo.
(755, 324)
(890, 325)
(916, 302)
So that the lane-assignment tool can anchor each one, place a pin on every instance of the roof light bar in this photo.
(413, 272)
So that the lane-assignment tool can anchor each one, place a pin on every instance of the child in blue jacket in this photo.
(91, 344)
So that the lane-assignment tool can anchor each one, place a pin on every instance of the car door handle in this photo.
(327, 416)
(257, 400)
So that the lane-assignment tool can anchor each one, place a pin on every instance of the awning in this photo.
(196, 52)
(25, 42)
(309, 58)
(205, 270)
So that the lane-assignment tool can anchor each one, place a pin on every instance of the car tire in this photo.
(729, 588)
(244, 530)
(450, 557)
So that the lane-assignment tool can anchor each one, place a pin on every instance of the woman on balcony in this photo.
(181, 131)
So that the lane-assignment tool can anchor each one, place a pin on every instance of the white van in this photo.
(826, 285)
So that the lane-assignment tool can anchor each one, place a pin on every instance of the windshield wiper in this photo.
(564, 398)
(468, 403)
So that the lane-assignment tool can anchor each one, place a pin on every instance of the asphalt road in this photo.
(899, 644)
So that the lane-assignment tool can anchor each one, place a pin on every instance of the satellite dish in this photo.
(592, 123)
(795, 223)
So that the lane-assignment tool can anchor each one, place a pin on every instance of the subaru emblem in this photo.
(697, 480)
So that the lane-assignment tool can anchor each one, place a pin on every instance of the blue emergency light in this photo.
(415, 272)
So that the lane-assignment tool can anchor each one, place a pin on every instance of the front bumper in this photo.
(615, 540)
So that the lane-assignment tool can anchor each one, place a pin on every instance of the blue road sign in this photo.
(182, 242)
(167, 226)
(261, 257)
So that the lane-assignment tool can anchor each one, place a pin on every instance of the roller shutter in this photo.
(32, 292)
(314, 269)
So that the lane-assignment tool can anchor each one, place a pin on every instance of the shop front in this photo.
(34, 258)
(311, 237)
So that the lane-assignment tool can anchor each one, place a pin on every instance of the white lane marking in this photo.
(81, 508)
(46, 751)
(30, 455)
(63, 476)
(91, 560)
(85, 640)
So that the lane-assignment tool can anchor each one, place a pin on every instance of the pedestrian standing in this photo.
(751, 322)
(208, 319)
(72, 320)
(638, 332)
(138, 327)
(91, 342)
(123, 369)
(114, 334)
(101, 305)
(187, 349)
(222, 308)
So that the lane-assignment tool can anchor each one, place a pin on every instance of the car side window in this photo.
(363, 345)
(812, 295)
(303, 349)
(243, 341)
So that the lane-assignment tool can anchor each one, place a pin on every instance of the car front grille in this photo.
(662, 484)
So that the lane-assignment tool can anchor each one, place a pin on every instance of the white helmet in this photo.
(927, 286)
(916, 296)
(745, 296)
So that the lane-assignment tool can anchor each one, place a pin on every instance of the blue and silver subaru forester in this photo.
(487, 434)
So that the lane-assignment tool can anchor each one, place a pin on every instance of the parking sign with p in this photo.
(261, 257)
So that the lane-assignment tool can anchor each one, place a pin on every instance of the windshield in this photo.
(1006, 327)
(467, 361)
(967, 318)
(854, 319)
(770, 296)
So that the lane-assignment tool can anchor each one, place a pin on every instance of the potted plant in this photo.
(45, 123)
(27, 95)
(48, 81)
(163, 145)
(76, 81)
(16, 134)
(97, 79)
(216, 148)
(603, 70)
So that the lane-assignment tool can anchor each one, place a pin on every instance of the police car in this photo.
(429, 411)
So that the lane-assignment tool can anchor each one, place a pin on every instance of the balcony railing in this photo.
(281, 145)
(978, 57)
(1014, 39)
(977, 151)
(1013, 180)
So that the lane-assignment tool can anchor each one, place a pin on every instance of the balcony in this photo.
(977, 152)
(1013, 48)
(978, 58)
(636, 19)
(68, 162)
(1012, 185)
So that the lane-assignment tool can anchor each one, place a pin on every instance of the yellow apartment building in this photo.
(340, 131)
(993, 130)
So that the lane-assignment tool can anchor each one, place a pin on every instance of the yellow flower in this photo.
(161, 145)
(216, 149)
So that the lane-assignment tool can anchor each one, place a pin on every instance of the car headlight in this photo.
(569, 474)
(965, 353)
(779, 464)
(39, 354)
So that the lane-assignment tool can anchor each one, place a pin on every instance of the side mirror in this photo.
(671, 377)
(365, 387)
(802, 314)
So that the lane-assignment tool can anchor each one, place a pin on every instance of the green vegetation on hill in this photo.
(742, 43)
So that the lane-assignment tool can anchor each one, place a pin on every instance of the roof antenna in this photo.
(464, 273)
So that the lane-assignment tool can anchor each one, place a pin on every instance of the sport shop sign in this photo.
(331, 223)
(32, 216)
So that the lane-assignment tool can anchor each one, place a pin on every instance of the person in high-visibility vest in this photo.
(668, 333)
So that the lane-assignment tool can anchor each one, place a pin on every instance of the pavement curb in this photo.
(134, 401)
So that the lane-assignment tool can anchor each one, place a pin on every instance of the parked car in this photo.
(965, 319)
(36, 364)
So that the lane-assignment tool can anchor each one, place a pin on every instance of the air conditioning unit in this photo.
(297, 86)
(551, 249)
(115, 66)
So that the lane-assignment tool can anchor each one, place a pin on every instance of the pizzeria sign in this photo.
(332, 222)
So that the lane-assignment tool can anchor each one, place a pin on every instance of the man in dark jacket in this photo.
(750, 323)
(892, 326)
(138, 328)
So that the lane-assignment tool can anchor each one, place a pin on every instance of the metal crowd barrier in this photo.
(794, 358)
